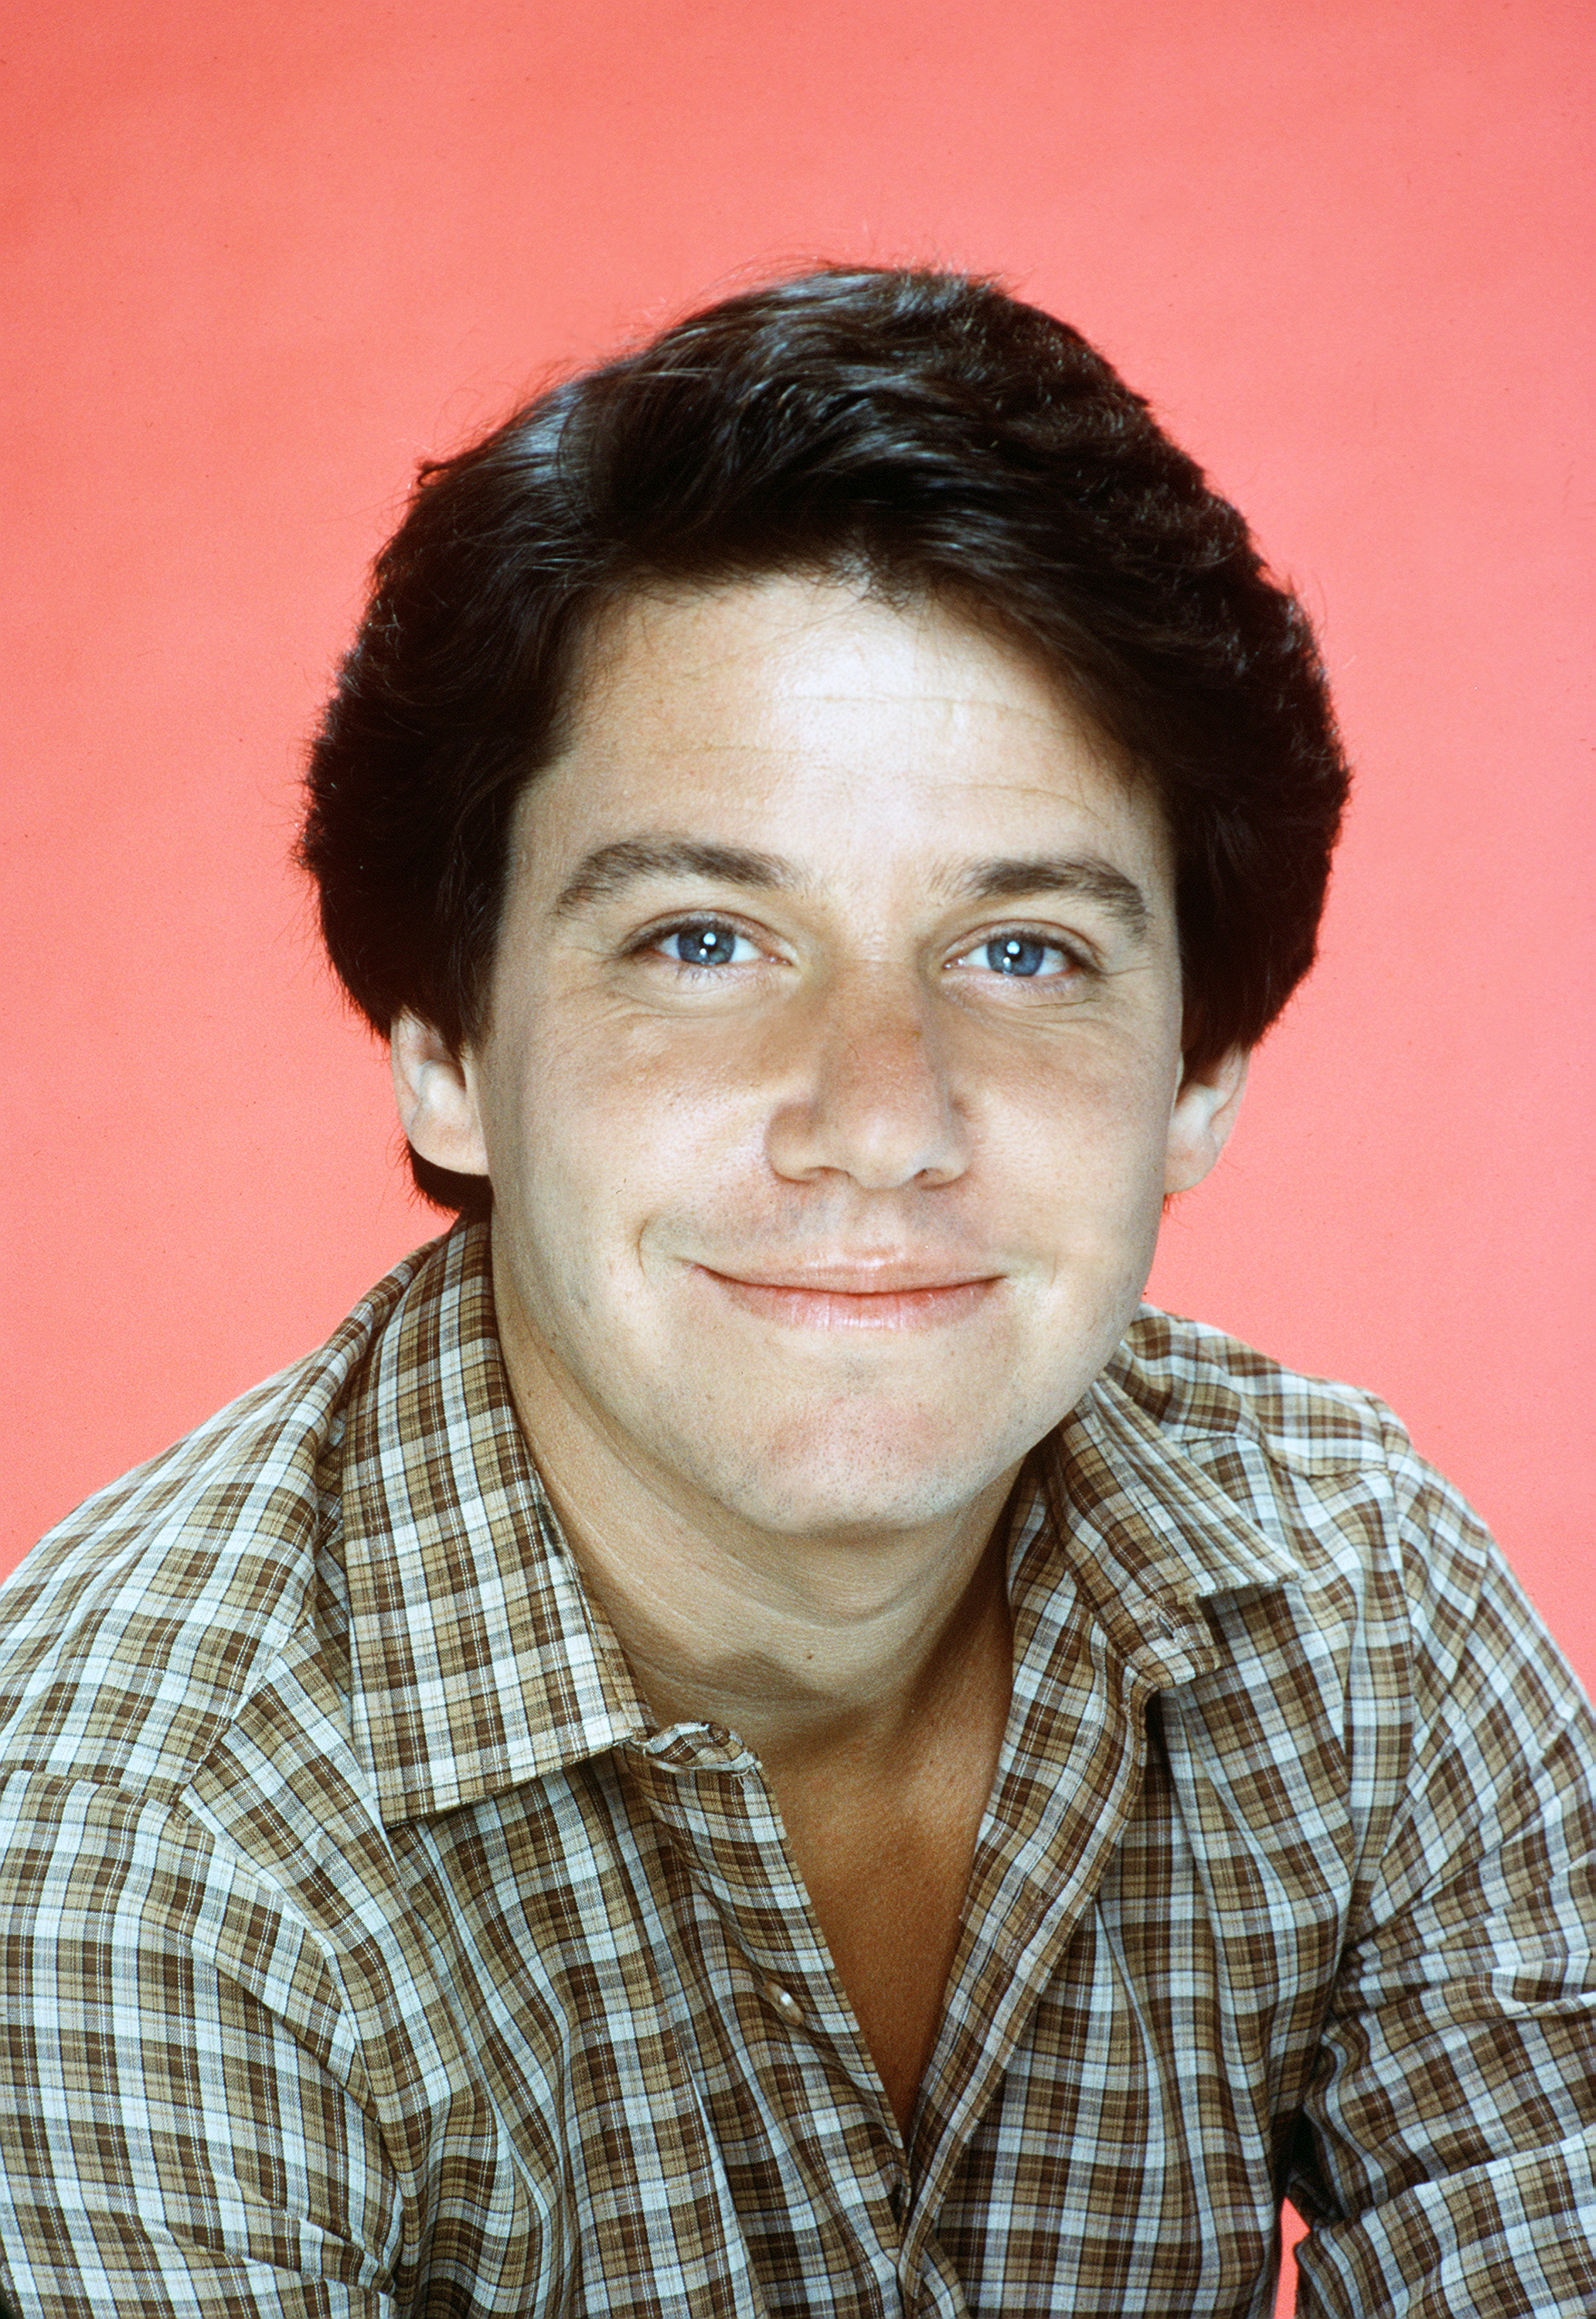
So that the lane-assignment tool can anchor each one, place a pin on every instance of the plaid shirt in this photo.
(365, 1948)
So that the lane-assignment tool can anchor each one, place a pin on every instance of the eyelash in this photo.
(1077, 961)
(657, 937)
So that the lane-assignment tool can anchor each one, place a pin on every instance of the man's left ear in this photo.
(1205, 1105)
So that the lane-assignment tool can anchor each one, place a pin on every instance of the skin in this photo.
(810, 1219)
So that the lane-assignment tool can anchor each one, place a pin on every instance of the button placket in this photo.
(783, 2001)
(709, 1794)
(708, 1788)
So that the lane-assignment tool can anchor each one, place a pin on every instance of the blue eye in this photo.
(706, 943)
(1025, 954)
(1018, 953)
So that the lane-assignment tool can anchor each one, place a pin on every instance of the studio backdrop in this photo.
(263, 258)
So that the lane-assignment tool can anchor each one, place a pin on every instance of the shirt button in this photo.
(785, 2003)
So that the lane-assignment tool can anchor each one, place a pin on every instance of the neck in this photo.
(817, 1667)
(838, 1652)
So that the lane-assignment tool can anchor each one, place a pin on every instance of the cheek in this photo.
(589, 1141)
(546, 1083)
(660, 1113)
(1099, 1114)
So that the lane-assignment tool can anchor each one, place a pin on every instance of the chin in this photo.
(850, 1515)
(854, 1487)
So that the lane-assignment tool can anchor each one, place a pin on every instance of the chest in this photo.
(624, 2031)
(664, 2014)
(886, 1875)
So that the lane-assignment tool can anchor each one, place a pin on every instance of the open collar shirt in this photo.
(364, 1947)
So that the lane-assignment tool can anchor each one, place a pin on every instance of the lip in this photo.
(893, 1295)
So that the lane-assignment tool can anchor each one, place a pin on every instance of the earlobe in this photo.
(1204, 1112)
(437, 1100)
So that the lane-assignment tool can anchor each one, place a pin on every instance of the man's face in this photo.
(832, 1078)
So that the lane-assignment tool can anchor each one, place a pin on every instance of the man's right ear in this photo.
(436, 1101)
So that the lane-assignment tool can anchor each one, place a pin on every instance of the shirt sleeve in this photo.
(1449, 2158)
(181, 2127)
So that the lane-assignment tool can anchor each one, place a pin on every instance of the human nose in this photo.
(866, 1089)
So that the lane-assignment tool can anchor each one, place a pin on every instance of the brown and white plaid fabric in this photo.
(364, 1949)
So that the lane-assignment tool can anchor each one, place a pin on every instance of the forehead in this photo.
(802, 711)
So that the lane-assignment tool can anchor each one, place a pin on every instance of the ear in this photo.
(1204, 1112)
(437, 1099)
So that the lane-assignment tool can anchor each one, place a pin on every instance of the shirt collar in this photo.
(478, 1659)
(1147, 1534)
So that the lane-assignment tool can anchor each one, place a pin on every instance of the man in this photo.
(750, 1736)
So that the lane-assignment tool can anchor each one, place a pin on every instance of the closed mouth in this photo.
(856, 1296)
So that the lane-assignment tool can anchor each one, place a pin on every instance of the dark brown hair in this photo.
(924, 434)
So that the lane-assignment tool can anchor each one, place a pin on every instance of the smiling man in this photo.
(752, 1735)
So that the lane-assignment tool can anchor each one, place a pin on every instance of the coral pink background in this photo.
(264, 256)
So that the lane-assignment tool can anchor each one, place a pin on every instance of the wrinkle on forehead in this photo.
(861, 618)
(803, 675)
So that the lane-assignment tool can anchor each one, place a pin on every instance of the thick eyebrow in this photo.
(608, 869)
(611, 869)
(1095, 880)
